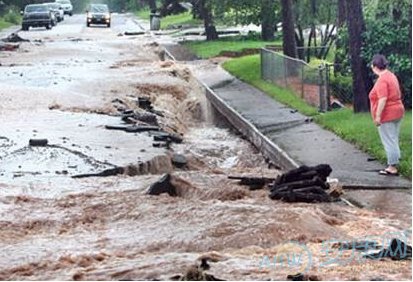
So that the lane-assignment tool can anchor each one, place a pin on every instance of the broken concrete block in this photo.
(179, 160)
(163, 185)
(38, 142)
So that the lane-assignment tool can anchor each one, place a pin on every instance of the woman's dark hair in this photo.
(379, 61)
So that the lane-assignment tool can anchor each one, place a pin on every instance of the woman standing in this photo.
(387, 111)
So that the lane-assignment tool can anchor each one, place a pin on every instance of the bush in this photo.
(391, 38)
(12, 16)
(341, 87)
(311, 75)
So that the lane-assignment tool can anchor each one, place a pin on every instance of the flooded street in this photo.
(73, 86)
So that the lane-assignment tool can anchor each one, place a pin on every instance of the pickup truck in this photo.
(36, 15)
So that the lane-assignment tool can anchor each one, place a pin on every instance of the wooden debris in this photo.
(254, 183)
(304, 184)
(133, 129)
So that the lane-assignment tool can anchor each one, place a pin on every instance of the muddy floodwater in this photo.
(68, 85)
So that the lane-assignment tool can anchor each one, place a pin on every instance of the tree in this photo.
(319, 19)
(341, 22)
(152, 5)
(289, 44)
(361, 80)
(388, 32)
(205, 10)
(267, 19)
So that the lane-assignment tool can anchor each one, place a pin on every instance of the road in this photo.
(67, 85)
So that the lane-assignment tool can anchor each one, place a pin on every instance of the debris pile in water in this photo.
(304, 184)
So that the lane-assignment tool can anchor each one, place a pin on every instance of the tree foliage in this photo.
(388, 32)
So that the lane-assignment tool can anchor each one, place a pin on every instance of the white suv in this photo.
(67, 6)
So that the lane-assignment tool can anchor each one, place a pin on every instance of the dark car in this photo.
(98, 14)
(37, 15)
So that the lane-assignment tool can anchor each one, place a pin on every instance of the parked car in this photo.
(67, 6)
(57, 9)
(36, 15)
(98, 14)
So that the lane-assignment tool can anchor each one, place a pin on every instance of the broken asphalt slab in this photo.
(288, 137)
(75, 139)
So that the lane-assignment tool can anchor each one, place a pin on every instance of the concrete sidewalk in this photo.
(289, 137)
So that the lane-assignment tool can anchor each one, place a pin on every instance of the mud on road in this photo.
(68, 85)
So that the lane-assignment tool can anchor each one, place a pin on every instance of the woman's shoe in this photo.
(386, 172)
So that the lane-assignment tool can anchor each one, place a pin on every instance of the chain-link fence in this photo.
(307, 82)
(321, 86)
(340, 86)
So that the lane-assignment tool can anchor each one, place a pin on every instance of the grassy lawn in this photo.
(207, 49)
(143, 14)
(180, 19)
(355, 128)
(4, 24)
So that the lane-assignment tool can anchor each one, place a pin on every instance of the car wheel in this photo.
(25, 27)
(108, 24)
(87, 24)
(70, 14)
(49, 26)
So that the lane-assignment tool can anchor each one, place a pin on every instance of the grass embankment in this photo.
(207, 49)
(143, 14)
(355, 128)
(172, 20)
(4, 24)
(9, 19)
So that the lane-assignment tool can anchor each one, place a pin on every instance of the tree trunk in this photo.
(299, 39)
(267, 20)
(341, 20)
(310, 37)
(152, 5)
(361, 81)
(410, 32)
(210, 30)
(342, 13)
(289, 44)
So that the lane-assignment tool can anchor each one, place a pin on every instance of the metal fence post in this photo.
(262, 63)
(328, 71)
(322, 93)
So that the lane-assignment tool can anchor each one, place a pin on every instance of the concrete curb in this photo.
(263, 143)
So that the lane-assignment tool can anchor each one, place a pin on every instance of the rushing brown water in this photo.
(53, 227)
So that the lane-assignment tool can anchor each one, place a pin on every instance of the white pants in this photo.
(389, 134)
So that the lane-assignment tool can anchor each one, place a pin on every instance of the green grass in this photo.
(4, 24)
(208, 49)
(354, 128)
(143, 14)
(179, 19)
